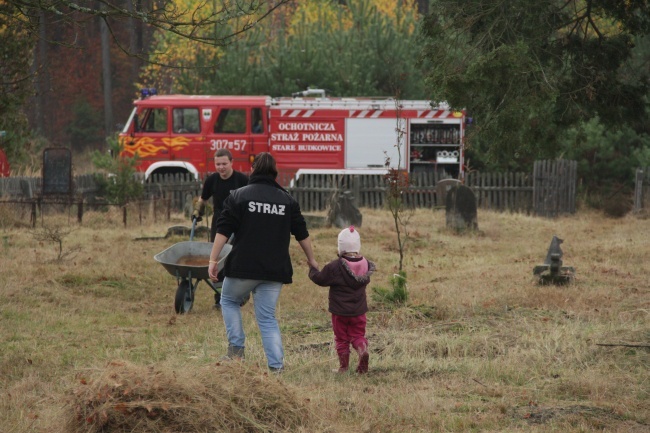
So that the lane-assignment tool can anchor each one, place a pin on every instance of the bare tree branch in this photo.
(623, 345)
(186, 23)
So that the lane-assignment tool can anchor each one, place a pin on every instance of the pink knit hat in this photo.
(349, 241)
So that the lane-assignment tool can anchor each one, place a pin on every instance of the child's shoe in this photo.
(364, 357)
(344, 362)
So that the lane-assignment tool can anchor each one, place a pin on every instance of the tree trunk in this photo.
(40, 71)
(106, 76)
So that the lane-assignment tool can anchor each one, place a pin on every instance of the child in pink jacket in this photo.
(347, 278)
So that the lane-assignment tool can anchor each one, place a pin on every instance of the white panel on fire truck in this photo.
(368, 141)
(352, 104)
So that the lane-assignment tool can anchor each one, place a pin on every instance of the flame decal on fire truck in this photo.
(145, 146)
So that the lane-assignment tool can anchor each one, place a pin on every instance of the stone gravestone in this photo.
(461, 209)
(442, 188)
(343, 213)
(57, 171)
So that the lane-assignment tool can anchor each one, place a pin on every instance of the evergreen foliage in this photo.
(397, 294)
(353, 49)
(15, 86)
(84, 130)
(606, 158)
(120, 186)
(527, 71)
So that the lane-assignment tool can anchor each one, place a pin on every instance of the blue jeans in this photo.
(265, 298)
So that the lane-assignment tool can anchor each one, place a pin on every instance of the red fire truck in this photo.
(5, 170)
(4, 165)
(305, 134)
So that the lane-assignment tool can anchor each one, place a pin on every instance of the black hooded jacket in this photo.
(263, 216)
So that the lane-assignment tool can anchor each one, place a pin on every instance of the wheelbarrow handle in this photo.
(194, 219)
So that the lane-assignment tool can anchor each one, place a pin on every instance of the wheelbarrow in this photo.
(188, 261)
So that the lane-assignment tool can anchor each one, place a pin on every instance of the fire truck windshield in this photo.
(128, 123)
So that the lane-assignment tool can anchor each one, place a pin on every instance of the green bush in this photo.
(118, 184)
(397, 294)
(86, 127)
(607, 159)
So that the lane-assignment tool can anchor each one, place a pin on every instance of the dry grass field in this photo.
(91, 343)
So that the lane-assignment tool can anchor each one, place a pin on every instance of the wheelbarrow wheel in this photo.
(184, 297)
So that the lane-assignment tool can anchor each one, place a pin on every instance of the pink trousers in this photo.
(349, 330)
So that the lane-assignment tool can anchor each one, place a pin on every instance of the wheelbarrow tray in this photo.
(170, 257)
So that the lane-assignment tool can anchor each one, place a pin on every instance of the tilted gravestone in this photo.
(343, 213)
(199, 232)
(554, 251)
(461, 209)
(314, 221)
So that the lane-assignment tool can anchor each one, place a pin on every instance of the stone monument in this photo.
(343, 212)
(552, 271)
(461, 209)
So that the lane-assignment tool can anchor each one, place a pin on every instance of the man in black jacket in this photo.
(218, 186)
(262, 216)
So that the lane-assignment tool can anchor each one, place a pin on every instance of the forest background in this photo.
(547, 79)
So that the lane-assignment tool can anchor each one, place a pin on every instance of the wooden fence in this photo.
(178, 189)
(502, 191)
(31, 187)
(314, 191)
(554, 187)
(642, 189)
(549, 191)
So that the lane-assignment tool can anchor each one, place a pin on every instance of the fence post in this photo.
(80, 210)
(638, 190)
(124, 215)
(33, 215)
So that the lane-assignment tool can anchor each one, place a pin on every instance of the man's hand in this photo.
(199, 210)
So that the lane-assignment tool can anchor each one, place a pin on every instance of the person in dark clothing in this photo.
(347, 277)
(262, 216)
(218, 186)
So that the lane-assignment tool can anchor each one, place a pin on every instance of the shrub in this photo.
(120, 186)
(397, 294)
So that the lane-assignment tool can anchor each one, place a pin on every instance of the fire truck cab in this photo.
(181, 133)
